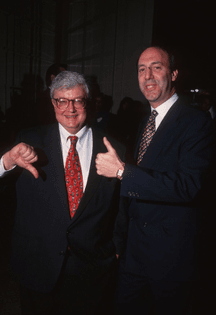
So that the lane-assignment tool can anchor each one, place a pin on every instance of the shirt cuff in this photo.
(3, 171)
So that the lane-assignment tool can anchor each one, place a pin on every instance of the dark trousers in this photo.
(74, 294)
(36, 303)
(140, 295)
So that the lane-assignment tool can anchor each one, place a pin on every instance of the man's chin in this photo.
(151, 97)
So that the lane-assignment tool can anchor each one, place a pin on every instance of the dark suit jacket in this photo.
(43, 229)
(163, 214)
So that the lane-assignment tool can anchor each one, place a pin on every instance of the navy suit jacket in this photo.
(43, 228)
(163, 214)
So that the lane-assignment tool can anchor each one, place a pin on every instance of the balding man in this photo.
(173, 152)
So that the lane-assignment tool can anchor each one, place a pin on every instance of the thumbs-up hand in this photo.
(22, 155)
(107, 164)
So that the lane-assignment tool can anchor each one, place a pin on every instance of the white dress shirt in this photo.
(163, 109)
(84, 148)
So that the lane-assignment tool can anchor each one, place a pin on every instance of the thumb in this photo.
(108, 145)
(32, 170)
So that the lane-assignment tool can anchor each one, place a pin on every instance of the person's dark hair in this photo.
(54, 69)
(171, 56)
(125, 105)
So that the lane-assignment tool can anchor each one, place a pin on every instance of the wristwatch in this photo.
(120, 172)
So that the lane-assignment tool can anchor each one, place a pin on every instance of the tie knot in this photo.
(73, 139)
(154, 113)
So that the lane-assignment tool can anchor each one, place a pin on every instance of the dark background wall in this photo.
(100, 39)
(103, 40)
(189, 27)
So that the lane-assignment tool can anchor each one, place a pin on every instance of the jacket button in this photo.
(61, 253)
(145, 224)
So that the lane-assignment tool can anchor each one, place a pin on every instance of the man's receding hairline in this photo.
(158, 48)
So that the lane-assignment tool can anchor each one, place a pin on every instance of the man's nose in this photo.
(148, 73)
(71, 106)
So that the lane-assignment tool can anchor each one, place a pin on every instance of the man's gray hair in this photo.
(68, 80)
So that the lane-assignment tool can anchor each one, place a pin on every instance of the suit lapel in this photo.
(53, 153)
(164, 132)
(52, 147)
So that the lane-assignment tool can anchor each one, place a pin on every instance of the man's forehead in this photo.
(72, 90)
(153, 55)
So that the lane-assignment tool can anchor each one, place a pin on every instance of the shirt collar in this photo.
(64, 134)
(163, 108)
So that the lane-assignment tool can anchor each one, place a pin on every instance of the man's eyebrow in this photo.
(153, 63)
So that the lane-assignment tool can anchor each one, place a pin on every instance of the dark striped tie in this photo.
(147, 136)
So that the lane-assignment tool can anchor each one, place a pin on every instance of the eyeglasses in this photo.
(63, 103)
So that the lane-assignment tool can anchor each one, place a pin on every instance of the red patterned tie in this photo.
(147, 136)
(73, 177)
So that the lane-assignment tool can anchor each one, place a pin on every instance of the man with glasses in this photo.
(63, 251)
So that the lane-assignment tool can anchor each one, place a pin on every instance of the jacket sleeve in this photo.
(121, 226)
(181, 180)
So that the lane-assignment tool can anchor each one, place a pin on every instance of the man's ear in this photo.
(52, 102)
(174, 75)
(52, 77)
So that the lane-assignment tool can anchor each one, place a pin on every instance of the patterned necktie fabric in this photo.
(147, 136)
(73, 177)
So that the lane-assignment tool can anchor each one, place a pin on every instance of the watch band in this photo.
(120, 172)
